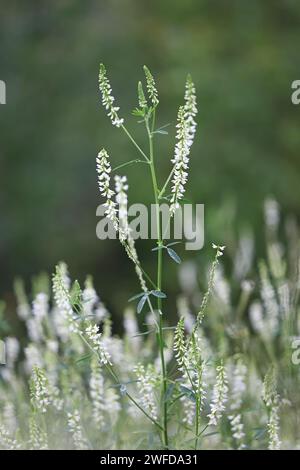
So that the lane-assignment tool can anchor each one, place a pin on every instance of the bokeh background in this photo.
(243, 57)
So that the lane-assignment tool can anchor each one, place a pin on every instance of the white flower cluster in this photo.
(238, 388)
(185, 312)
(9, 417)
(151, 87)
(39, 312)
(105, 400)
(112, 402)
(108, 99)
(146, 385)
(61, 285)
(121, 188)
(104, 169)
(219, 397)
(12, 348)
(94, 337)
(272, 401)
(37, 436)
(119, 217)
(97, 395)
(39, 390)
(75, 429)
(269, 300)
(186, 129)
(274, 427)
(237, 429)
(33, 358)
(189, 358)
(89, 298)
(6, 441)
(179, 344)
(40, 306)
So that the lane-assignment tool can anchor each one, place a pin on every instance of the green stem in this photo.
(197, 423)
(128, 163)
(162, 192)
(135, 144)
(159, 283)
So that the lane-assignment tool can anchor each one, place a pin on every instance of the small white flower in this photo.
(95, 338)
(220, 249)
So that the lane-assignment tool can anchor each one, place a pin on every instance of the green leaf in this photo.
(259, 434)
(137, 296)
(188, 392)
(174, 255)
(169, 392)
(158, 248)
(75, 294)
(160, 132)
(143, 334)
(84, 358)
(141, 303)
(138, 112)
(159, 294)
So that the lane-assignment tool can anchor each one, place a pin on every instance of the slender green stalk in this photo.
(128, 163)
(135, 144)
(159, 284)
(162, 192)
(197, 422)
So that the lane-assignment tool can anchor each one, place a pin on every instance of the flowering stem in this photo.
(159, 282)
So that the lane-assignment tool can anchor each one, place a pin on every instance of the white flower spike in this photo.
(108, 99)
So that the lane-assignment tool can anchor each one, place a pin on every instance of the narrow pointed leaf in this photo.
(174, 255)
(137, 296)
(159, 294)
(141, 303)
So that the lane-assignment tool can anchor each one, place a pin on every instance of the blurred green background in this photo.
(243, 57)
